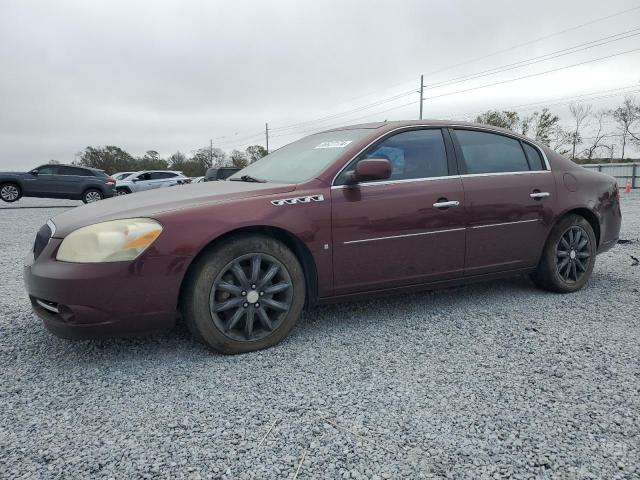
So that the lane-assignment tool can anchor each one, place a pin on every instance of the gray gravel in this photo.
(491, 380)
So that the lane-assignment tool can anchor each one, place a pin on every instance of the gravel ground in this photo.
(491, 380)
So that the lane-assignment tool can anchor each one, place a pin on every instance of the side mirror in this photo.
(135, 179)
(370, 169)
(34, 172)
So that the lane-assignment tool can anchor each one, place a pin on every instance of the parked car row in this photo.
(90, 184)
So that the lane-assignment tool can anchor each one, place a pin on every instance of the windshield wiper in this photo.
(248, 178)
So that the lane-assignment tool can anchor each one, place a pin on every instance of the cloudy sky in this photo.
(172, 75)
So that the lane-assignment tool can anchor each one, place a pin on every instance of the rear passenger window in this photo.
(74, 171)
(413, 154)
(162, 175)
(491, 153)
(534, 157)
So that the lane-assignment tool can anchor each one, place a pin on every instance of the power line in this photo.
(542, 103)
(532, 74)
(535, 40)
(541, 58)
(354, 110)
(504, 50)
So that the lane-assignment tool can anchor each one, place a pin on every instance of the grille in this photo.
(42, 238)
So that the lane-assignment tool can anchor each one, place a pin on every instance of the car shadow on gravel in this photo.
(322, 321)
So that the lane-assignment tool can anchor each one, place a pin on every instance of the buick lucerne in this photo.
(366, 209)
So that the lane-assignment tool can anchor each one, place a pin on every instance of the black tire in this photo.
(10, 192)
(122, 191)
(203, 294)
(565, 265)
(92, 195)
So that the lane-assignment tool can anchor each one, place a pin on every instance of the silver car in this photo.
(149, 180)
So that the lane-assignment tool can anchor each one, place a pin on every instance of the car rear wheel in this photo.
(244, 295)
(92, 195)
(569, 256)
(10, 192)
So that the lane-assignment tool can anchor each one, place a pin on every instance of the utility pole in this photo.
(421, 94)
(266, 134)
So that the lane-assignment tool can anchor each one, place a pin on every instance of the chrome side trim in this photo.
(52, 226)
(402, 236)
(505, 223)
(46, 306)
(453, 125)
(295, 200)
(497, 174)
(431, 179)
(393, 182)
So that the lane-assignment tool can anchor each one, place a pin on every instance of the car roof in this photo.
(70, 165)
(392, 125)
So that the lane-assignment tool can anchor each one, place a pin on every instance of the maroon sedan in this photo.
(375, 208)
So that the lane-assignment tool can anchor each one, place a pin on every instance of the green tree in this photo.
(504, 119)
(111, 159)
(255, 153)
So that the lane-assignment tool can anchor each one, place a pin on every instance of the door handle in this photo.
(539, 195)
(446, 204)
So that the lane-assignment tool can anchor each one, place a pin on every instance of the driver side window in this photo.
(48, 170)
(413, 154)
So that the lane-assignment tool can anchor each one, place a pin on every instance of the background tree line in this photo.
(593, 135)
(114, 159)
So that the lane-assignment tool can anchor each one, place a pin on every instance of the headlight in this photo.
(114, 241)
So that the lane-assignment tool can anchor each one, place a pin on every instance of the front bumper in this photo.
(76, 300)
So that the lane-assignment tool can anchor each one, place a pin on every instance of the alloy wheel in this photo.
(9, 193)
(251, 297)
(573, 254)
(93, 196)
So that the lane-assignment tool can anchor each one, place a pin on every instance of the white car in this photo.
(149, 180)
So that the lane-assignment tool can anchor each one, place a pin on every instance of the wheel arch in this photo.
(297, 246)
(589, 215)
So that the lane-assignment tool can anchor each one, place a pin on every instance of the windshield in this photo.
(302, 160)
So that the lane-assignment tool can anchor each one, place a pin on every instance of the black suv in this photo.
(219, 173)
(57, 181)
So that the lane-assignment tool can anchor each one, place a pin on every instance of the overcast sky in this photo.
(170, 76)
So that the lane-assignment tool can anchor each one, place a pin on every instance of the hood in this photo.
(154, 202)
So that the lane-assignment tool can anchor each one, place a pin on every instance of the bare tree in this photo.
(596, 141)
(580, 114)
(626, 116)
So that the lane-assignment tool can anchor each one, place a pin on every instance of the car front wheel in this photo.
(244, 295)
(569, 256)
(92, 195)
(10, 192)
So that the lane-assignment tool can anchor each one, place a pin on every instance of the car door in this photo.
(45, 183)
(408, 229)
(142, 182)
(510, 194)
(71, 181)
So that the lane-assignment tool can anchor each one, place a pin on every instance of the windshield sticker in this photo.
(333, 144)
